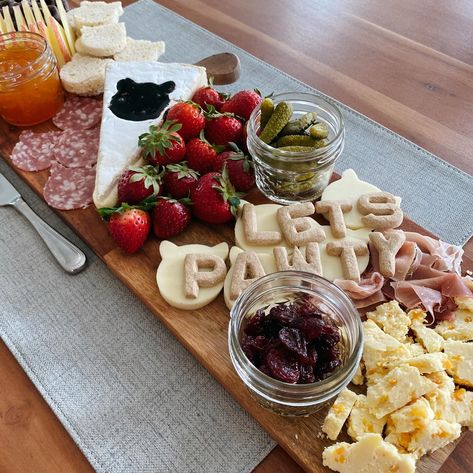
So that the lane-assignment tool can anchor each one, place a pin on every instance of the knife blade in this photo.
(69, 257)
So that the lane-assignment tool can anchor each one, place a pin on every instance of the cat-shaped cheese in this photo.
(170, 275)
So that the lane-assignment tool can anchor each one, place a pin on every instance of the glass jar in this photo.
(30, 89)
(285, 176)
(295, 399)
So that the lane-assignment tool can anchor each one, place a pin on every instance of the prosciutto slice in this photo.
(437, 254)
(435, 292)
(366, 292)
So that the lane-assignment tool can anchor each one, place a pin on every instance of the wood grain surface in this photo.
(406, 65)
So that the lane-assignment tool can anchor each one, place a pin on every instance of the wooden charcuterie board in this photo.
(203, 332)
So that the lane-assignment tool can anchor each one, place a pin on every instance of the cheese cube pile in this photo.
(417, 396)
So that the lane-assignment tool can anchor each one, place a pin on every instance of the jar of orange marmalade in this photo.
(30, 89)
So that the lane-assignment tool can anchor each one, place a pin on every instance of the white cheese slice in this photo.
(170, 274)
(350, 187)
(369, 455)
(412, 417)
(118, 147)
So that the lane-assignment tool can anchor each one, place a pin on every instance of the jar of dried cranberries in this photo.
(295, 340)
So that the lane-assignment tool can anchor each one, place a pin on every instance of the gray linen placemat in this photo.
(435, 194)
(131, 397)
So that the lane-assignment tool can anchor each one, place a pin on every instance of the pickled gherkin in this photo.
(297, 149)
(281, 115)
(295, 140)
(318, 131)
(267, 109)
(297, 127)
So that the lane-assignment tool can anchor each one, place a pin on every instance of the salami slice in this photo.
(78, 149)
(69, 188)
(78, 113)
(34, 151)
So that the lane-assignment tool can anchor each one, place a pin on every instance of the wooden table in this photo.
(408, 65)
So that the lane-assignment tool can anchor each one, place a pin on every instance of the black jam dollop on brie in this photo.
(138, 101)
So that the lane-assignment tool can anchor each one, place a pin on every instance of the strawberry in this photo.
(129, 227)
(214, 198)
(201, 154)
(221, 129)
(163, 145)
(242, 103)
(170, 218)
(240, 172)
(208, 96)
(190, 116)
(138, 183)
(239, 167)
(179, 180)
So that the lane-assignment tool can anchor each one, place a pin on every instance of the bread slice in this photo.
(118, 147)
(140, 50)
(96, 14)
(102, 41)
(84, 75)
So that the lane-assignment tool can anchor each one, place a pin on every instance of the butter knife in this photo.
(71, 258)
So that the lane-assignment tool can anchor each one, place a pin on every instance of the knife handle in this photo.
(71, 258)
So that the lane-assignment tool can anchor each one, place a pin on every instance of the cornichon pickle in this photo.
(296, 127)
(267, 109)
(318, 131)
(295, 140)
(281, 115)
(297, 149)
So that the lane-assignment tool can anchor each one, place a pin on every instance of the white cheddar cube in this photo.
(359, 379)
(362, 421)
(442, 380)
(415, 349)
(338, 414)
(369, 455)
(428, 362)
(401, 386)
(440, 402)
(431, 340)
(392, 319)
(461, 328)
(436, 434)
(380, 349)
(412, 417)
(465, 302)
(462, 407)
(460, 361)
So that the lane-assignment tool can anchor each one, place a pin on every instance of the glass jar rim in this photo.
(287, 156)
(11, 37)
(334, 383)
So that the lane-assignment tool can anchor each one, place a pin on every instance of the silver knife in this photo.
(71, 258)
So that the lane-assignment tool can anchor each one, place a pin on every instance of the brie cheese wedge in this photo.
(118, 147)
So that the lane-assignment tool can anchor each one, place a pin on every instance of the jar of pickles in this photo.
(287, 174)
(30, 89)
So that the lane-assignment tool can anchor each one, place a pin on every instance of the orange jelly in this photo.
(30, 89)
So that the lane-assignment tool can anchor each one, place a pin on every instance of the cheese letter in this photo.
(250, 229)
(311, 263)
(387, 245)
(247, 269)
(194, 278)
(348, 250)
(380, 210)
(335, 210)
(298, 229)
